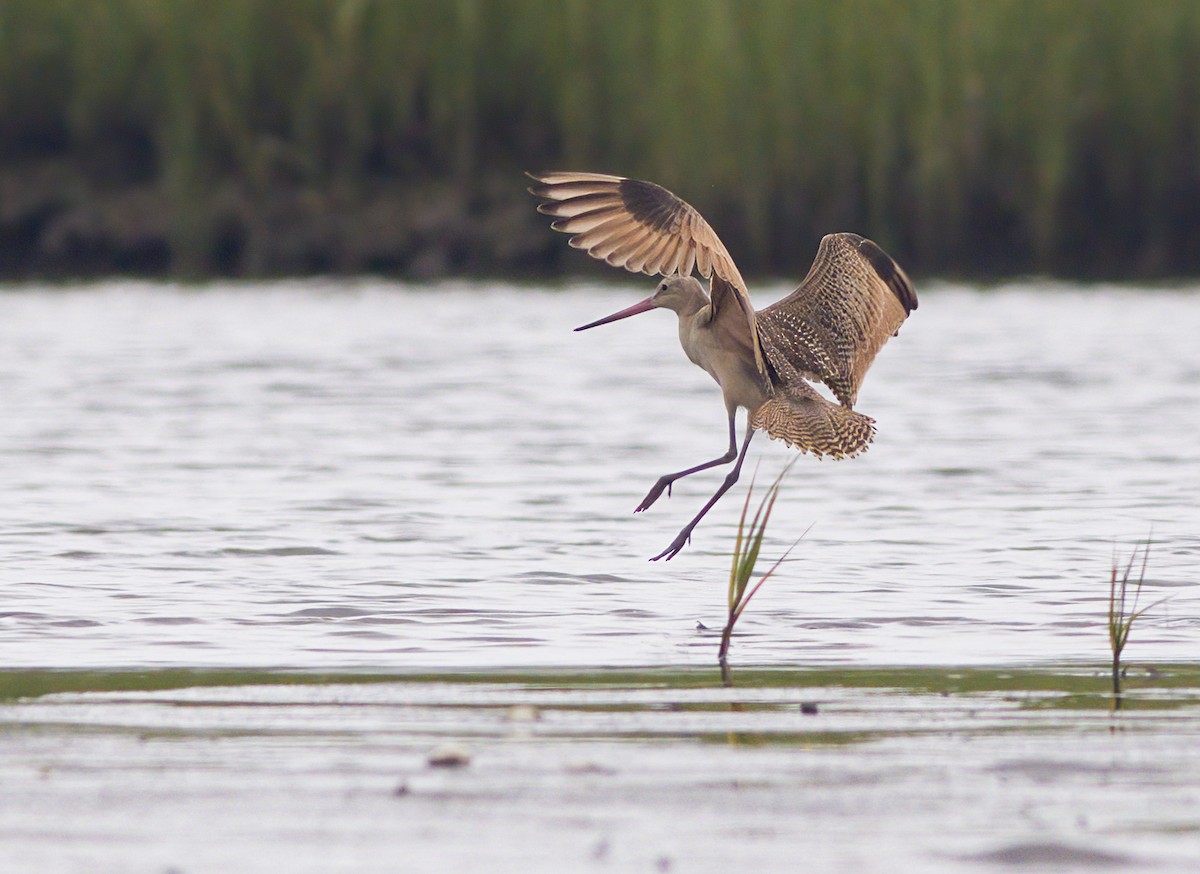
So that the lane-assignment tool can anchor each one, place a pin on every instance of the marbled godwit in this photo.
(829, 329)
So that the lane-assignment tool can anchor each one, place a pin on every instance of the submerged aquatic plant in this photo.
(745, 556)
(1123, 608)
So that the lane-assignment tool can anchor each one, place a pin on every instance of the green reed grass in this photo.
(1124, 592)
(745, 557)
(1041, 133)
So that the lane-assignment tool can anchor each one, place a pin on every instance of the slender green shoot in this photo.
(1124, 591)
(745, 556)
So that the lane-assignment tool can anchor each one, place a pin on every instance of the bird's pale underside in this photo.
(828, 330)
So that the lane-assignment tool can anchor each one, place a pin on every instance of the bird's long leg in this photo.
(686, 534)
(664, 482)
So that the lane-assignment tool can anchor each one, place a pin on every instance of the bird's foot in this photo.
(677, 545)
(654, 494)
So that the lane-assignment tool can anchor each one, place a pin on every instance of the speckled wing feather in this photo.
(643, 228)
(830, 328)
(800, 417)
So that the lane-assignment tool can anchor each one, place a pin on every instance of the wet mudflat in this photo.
(653, 770)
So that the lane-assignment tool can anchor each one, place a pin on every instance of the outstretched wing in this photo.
(632, 224)
(830, 328)
(645, 229)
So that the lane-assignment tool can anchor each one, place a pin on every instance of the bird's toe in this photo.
(676, 546)
(653, 495)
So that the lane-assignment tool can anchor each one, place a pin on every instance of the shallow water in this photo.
(350, 475)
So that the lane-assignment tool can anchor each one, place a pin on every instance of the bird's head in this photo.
(674, 292)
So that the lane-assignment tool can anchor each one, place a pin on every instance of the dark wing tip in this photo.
(650, 204)
(889, 271)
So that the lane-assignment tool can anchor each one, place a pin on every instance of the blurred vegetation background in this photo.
(260, 137)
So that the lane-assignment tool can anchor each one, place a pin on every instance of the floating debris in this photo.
(522, 713)
(583, 768)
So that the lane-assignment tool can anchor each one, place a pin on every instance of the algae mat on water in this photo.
(629, 770)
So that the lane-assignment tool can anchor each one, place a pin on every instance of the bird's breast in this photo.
(728, 359)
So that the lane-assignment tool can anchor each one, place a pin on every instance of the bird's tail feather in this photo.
(803, 419)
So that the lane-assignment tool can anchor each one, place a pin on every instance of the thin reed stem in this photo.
(747, 546)
(1124, 592)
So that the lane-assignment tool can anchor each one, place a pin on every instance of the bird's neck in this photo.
(696, 310)
(694, 321)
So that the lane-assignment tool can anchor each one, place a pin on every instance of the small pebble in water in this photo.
(448, 756)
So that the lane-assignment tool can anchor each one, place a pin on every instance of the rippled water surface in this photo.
(362, 475)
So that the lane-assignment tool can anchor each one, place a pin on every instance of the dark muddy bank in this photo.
(57, 221)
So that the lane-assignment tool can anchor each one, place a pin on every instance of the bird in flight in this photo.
(828, 330)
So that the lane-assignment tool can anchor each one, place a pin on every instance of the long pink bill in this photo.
(641, 307)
